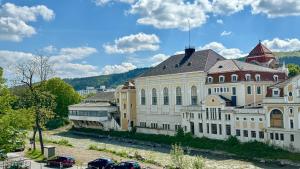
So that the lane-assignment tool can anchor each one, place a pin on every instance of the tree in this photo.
(64, 94)
(32, 74)
(293, 69)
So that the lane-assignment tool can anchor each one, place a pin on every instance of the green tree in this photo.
(64, 95)
(293, 69)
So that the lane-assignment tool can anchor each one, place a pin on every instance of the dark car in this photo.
(128, 165)
(101, 163)
(62, 161)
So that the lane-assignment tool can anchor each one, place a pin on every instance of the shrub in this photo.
(177, 156)
(198, 163)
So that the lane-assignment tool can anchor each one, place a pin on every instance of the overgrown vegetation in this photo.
(249, 150)
(124, 154)
(62, 142)
(35, 155)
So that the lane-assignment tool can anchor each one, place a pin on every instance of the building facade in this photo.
(212, 97)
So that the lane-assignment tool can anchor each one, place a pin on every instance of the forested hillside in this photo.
(109, 81)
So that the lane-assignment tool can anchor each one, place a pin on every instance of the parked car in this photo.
(101, 163)
(63, 161)
(128, 165)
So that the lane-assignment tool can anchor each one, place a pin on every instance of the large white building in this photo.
(212, 97)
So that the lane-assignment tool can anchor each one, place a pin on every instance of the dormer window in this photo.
(275, 77)
(210, 79)
(275, 92)
(248, 77)
(221, 79)
(234, 77)
(257, 77)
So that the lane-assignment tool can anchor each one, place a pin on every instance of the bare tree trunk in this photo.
(33, 138)
(41, 139)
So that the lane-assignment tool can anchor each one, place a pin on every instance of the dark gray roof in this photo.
(198, 61)
(102, 97)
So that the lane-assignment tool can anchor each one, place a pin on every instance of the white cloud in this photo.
(147, 61)
(165, 14)
(104, 2)
(65, 62)
(112, 69)
(277, 44)
(49, 49)
(276, 8)
(133, 43)
(228, 7)
(225, 33)
(228, 53)
(220, 21)
(14, 20)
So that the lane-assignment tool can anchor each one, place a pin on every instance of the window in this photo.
(260, 119)
(154, 97)
(199, 115)
(238, 132)
(124, 115)
(221, 79)
(207, 114)
(245, 133)
(227, 117)
(143, 97)
(257, 77)
(192, 115)
(210, 79)
(276, 136)
(234, 78)
(253, 134)
(275, 92)
(261, 135)
(220, 129)
(228, 130)
(178, 96)
(258, 90)
(166, 96)
(154, 125)
(292, 139)
(194, 95)
(234, 91)
(272, 136)
(220, 115)
(291, 123)
(237, 119)
(290, 94)
(209, 91)
(276, 118)
(142, 124)
(249, 90)
(207, 128)
(291, 111)
(200, 128)
(252, 119)
(282, 137)
(166, 126)
(214, 129)
(248, 77)
(275, 77)
(177, 127)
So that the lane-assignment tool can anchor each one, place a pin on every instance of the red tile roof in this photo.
(260, 54)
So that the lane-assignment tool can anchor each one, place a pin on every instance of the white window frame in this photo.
(273, 92)
(210, 79)
(257, 77)
(221, 76)
(248, 75)
(275, 77)
(234, 75)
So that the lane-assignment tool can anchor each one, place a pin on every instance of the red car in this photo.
(61, 161)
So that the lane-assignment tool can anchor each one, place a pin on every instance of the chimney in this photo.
(189, 51)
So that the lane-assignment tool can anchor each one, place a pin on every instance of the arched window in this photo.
(166, 96)
(194, 95)
(275, 77)
(257, 77)
(221, 79)
(210, 79)
(248, 77)
(154, 97)
(178, 96)
(143, 97)
(276, 119)
(234, 78)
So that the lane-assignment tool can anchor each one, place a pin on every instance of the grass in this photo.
(62, 142)
(124, 154)
(35, 155)
(249, 150)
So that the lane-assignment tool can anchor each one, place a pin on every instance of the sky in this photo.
(94, 37)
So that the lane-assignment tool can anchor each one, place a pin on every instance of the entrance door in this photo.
(192, 127)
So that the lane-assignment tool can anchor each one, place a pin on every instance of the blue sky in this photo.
(93, 37)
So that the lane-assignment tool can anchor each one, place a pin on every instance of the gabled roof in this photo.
(235, 65)
(199, 61)
(260, 49)
(101, 97)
